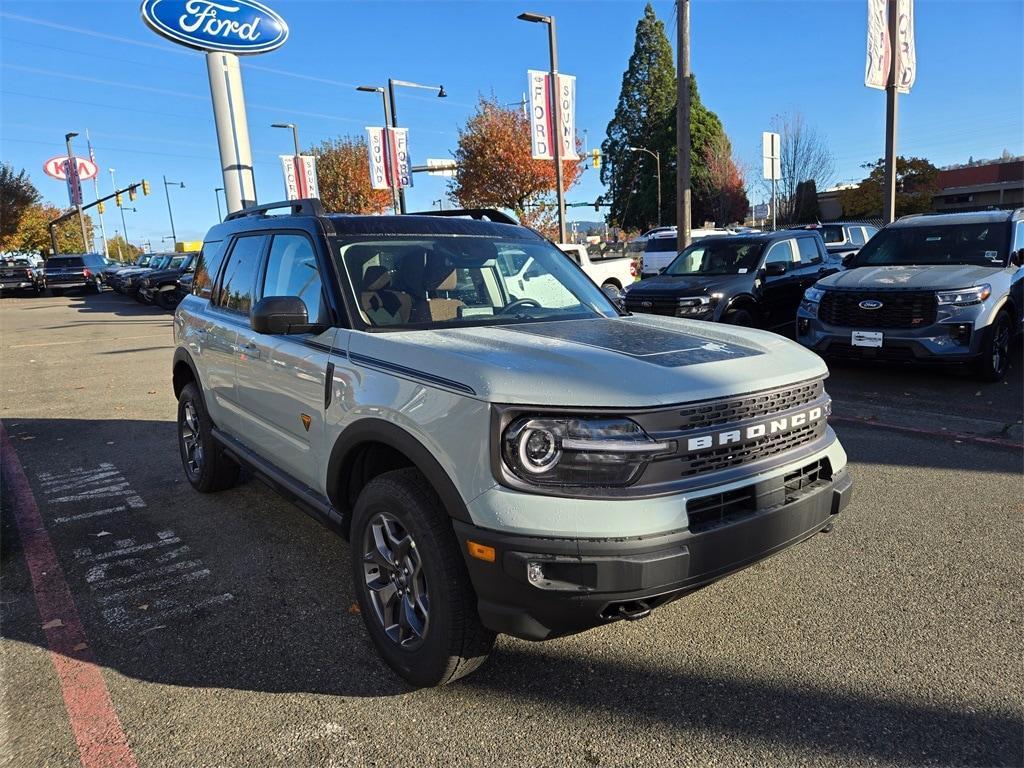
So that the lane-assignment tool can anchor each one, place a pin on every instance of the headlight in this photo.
(697, 305)
(813, 295)
(571, 451)
(964, 297)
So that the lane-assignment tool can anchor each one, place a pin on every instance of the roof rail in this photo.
(308, 206)
(480, 214)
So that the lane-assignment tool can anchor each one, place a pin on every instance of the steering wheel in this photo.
(519, 303)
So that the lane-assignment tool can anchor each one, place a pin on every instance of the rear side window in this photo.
(292, 271)
(660, 245)
(780, 251)
(808, 250)
(239, 279)
(857, 236)
(210, 259)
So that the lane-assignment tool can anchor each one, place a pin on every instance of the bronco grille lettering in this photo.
(753, 431)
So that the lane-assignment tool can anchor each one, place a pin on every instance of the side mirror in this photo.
(775, 268)
(614, 294)
(280, 315)
(1017, 258)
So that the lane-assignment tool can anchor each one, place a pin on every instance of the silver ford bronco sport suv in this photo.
(506, 452)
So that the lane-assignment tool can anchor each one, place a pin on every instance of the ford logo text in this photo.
(231, 26)
(870, 304)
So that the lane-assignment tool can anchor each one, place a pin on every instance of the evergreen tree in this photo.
(645, 109)
(805, 206)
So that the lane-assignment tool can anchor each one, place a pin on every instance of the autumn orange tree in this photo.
(723, 182)
(343, 171)
(496, 168)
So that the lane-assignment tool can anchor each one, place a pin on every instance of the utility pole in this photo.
(683, 123)
(891, 104)
(216, 194)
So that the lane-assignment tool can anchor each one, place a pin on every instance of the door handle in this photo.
(249, 350)
(201, 333)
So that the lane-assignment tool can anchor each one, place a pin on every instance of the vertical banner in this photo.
(905, 51)
(379, 176)
(876, 69)
(540, 118)
(567, 98)
(74, 183)
(299, 176)
(402, 164)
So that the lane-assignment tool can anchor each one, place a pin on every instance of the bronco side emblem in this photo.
(306, 420)
(870, 304)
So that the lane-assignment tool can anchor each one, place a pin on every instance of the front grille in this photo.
(900, 309)
(732, 409)
(715, 459)
(658, 305)
(718, 509)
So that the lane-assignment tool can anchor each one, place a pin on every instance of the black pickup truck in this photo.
(752, 280)
(19, 274)
(79, 271)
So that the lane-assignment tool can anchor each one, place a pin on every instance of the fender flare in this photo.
(181, 355)
(373, 430)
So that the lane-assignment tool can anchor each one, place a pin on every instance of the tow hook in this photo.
(633, 610)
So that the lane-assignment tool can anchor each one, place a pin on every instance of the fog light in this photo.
(803, 326)
(961, 333)
(535, 573)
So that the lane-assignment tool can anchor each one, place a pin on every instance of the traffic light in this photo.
(117, 199)
(595, 155)
(100, 207)
(131, 193)
(597, 203)
(145, 187)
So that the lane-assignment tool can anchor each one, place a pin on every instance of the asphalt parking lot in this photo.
(893, 640)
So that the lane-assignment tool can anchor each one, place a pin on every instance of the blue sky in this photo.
(72, 66)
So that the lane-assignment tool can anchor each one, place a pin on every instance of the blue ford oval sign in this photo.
(232, 26)
(870, 304)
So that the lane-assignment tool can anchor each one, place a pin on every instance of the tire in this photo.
(995, 345)
(97, 286)
(739, 317)
(399, 518)
(165, 300)
(204, 463)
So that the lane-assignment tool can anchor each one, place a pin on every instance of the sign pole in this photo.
(556, 114)
(232, 129)
(76, 186)
(683, 190)
(891, 107)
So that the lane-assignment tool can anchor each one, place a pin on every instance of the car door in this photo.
(281, 380)
(781, 293)
(226, 316)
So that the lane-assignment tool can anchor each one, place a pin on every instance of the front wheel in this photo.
(411, 582)
(739, 317)
(165, 300)
(995, 349)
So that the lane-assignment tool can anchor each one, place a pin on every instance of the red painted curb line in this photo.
(101, 740)
(993, 441)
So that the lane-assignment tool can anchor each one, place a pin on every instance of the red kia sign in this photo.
(55, 166)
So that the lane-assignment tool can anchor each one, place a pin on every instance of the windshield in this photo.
(144, 260)
(425, 281)
(978, 244)
(732, 257)
(177, 261)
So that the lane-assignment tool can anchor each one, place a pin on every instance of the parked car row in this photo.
(155, 278)
(927, 288)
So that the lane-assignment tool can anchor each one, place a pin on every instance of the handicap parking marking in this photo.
(105, 481)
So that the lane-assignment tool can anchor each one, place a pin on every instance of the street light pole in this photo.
(296, 161)
(556, 111)
(387, 137)
(217, 198)
(891, 114)
(167, 194)
(683, 124)
(72, 171)
(657, 159)
(124, 227)
(394, 116)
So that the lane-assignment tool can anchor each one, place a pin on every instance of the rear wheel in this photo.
(165, 300)
(739, 317)
(205, 465)
(995, 346)
(411, 582)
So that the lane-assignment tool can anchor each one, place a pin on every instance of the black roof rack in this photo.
(480, 214)
(309, 206)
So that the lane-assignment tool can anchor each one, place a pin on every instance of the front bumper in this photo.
(588, 582)
(952, 341)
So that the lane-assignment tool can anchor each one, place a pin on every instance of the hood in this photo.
(679, 285)
(917, 278)
(628, 362)
(160, 274)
